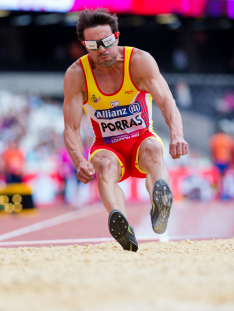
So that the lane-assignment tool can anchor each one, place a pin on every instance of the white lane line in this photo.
(97, 240)
(101, 240)
(80, 213)
(67, 241)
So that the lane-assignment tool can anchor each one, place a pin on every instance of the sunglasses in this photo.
(106, 42)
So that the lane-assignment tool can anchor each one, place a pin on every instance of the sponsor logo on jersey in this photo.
(122, 124)
(115, 103)
(118, 112)
(114, 139)
(129, 92)
(95, 99)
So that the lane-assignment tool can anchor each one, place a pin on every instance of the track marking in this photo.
(67, 241)
(81, 213)
(101, 240)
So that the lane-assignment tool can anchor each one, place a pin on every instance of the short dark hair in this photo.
(95, 17)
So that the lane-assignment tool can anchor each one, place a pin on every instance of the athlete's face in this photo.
(104, 56)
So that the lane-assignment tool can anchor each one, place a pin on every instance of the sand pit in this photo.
(182, 275)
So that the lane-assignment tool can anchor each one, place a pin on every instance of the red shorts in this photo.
(126, 152)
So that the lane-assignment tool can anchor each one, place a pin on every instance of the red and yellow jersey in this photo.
(120, 116)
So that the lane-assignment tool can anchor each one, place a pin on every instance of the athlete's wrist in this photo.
(176, 136)
(79, 160)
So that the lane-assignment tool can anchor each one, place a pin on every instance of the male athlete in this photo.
(115, 86)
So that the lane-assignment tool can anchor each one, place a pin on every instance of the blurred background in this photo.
(193, 44)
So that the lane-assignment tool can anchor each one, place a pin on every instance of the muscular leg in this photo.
(109, 172)
(151, 161)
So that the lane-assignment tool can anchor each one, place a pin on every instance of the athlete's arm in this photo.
(72, 111)
(145, 70)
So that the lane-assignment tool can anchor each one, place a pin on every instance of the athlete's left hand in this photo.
(178, 147)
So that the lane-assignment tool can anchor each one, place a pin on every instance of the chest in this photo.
(109, 83)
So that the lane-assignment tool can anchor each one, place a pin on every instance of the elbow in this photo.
(66, 132)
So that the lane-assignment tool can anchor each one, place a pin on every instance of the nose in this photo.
(102, 49)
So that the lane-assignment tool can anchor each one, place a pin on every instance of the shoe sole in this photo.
(118, 227)
(162, 202)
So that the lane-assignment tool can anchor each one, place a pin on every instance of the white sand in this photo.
(160, 276)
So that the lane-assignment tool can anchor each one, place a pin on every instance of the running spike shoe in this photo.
(162, 202)
(122, 231)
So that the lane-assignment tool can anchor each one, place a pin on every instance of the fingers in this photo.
(87, 168)
(84, 178)
(186, 148)
(173, 150)
(85, 172)
(178, 149)
(90, 169)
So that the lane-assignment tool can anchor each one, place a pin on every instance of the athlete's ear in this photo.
(117, 33)
(83, 42)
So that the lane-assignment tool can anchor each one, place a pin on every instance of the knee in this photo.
(104, 165)
(154, 147)
(153, 151)
(107, 169)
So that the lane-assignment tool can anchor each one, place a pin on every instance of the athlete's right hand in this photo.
(85, 171)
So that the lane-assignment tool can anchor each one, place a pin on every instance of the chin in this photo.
(106, 64)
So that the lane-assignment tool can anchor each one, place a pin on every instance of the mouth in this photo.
(104, 57)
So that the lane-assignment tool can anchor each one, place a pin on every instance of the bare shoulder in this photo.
(142, 63)
(74, 80)
(138, 56)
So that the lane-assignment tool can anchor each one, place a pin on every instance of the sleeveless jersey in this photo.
(120, 116)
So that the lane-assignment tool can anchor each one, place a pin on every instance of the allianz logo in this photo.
(118, 112)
